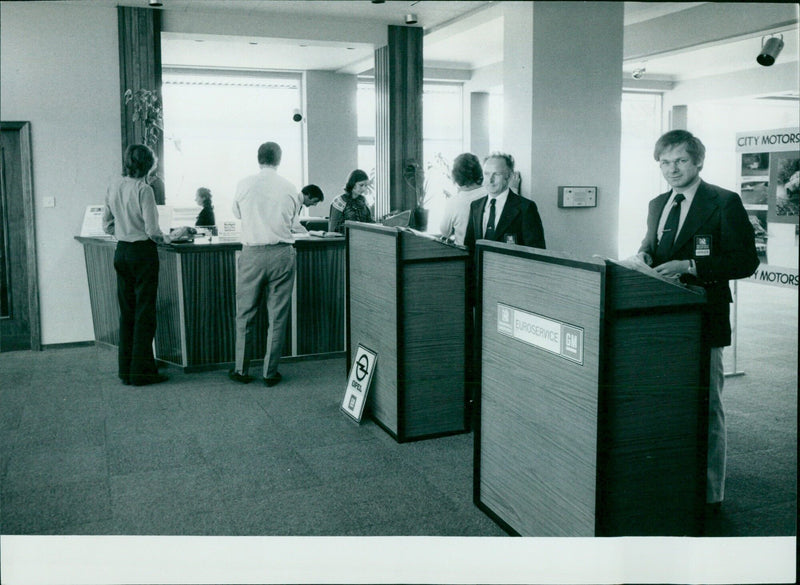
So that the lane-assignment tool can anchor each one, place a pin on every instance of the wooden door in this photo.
(19, 304)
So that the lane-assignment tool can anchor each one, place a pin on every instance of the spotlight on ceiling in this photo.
(638, 73)
(770, 49)
(411, 19)
(155, 4)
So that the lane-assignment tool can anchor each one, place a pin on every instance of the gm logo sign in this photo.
(572, 343)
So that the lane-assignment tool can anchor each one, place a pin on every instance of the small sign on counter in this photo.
(93, 223)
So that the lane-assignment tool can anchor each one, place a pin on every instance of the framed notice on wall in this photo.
(355, 395)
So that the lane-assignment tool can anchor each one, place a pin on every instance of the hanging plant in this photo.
(148, 111)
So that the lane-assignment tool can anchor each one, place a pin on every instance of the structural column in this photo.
(398, 133)
(562, 89)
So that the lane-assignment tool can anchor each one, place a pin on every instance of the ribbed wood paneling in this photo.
(197, 301)
(320, 298)
(139, 32)
(103, 290)
(383, 203)
(433, 337)
(209, 300)
(652, 460)
(169, 342)
(398, 109)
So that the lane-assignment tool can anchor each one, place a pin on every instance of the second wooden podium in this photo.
(406, 302)
(593, 408)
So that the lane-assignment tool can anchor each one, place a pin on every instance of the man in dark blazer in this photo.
(515, 219)
(501, 216)
(701, 234)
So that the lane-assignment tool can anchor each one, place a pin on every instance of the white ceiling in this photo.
(451, 29)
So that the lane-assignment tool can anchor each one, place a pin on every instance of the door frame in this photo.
(26, 167)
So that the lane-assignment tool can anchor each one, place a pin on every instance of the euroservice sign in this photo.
(556, 337)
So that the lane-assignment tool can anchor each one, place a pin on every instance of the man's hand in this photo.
(674, 268)
(645, 257)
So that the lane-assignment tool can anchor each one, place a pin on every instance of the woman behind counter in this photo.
(130, 214)
(467, 174)
(351, 205)
(206, 216)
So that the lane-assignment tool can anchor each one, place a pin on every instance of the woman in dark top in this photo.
(206, 217)
(351, 205)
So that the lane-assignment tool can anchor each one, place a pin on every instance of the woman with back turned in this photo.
(351, 205)
(131, 216)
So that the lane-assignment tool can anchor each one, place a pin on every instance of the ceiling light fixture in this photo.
(411, 19)
(770, 49)
(155, 4)
(639, 72)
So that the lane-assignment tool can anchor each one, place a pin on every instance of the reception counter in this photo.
(196, 303)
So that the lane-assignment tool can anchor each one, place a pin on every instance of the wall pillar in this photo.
(562, 88)
(398, 132)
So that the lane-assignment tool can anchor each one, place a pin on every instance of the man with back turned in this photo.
(700, 233)
(267, 204)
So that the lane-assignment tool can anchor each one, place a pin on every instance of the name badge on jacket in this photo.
(702, 246)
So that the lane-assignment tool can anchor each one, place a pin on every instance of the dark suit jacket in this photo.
(718, 236)
(518, 224)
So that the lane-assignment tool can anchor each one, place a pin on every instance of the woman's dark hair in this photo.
(355, 177)
(138, 161)
(467, 170)
(205, 194)
(673, 138)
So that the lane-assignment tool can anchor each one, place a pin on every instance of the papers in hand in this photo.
(638, 264)
(323, 234)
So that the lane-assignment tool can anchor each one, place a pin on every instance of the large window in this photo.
(214, 122)
(640, 179)
(442, 131)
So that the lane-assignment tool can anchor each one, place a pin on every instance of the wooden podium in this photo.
(406, 302)
(593, 408)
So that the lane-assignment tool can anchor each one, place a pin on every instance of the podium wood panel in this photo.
(538, 430)
(407, 303)
(372, 313)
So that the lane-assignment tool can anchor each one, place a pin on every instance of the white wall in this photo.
(60, 72)
(332, 132)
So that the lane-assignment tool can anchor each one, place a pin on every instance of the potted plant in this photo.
(424, 181)
(148, 112)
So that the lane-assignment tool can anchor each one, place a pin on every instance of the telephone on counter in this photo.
(182, 235)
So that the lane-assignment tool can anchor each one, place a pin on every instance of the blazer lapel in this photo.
(477, 217)
(703, 205)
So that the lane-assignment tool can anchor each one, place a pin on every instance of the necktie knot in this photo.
(678, 199)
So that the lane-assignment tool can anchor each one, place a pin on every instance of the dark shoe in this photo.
(240, 378)
(270, 381)
(125, 380)
(147, 380)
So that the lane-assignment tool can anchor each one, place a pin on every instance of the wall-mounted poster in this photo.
(784, 180)
(769, 183)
